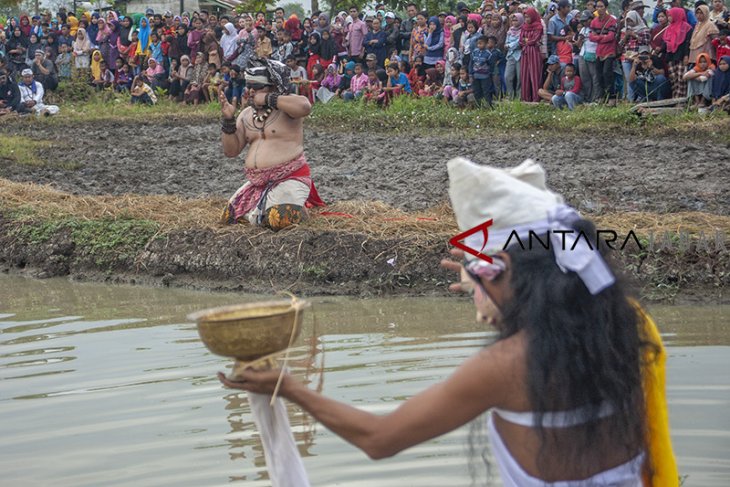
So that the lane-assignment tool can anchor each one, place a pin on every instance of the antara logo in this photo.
(457, 240)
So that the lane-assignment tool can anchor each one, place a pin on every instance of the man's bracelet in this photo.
(228, 125)
(272, 100)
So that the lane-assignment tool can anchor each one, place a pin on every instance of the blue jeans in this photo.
(659, 89)
(483, 89)
(569, 99)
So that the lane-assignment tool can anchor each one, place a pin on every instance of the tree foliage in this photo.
(294, 8)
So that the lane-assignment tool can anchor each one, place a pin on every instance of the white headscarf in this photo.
(228, 40)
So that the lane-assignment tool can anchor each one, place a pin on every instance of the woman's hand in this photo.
(260, 382)
(460, 286)
(227, 110)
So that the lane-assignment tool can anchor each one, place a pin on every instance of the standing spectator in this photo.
(433, 43)
(634, 36)
(355, 37)
(531, 60)
(406, 28)
(558, 26)
(375, 42)
(703, 34)
(514, 53)
(484, 59)
(676, 39)
(63, 62)
(603, 33)
(418, 37)
(81, 50)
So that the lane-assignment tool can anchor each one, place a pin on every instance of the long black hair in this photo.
(584, 351)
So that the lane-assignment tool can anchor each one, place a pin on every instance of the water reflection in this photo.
(111, 387)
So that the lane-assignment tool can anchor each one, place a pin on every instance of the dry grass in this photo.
(374, 219)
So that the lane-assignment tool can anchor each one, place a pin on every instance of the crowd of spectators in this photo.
(471, 57)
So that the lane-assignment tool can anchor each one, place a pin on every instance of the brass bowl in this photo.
(249, 331)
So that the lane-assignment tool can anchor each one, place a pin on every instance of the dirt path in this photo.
(594, 174)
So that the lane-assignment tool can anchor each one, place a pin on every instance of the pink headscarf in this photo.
(515, 31)
(475, 17)
(105, 32)
(678, 28)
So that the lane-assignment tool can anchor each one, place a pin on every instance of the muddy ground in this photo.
(595, 174)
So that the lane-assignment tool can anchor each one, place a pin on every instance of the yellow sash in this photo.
(664, 471)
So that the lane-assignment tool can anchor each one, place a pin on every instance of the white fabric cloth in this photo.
(285, 466)
(518, 202)
(513, 475)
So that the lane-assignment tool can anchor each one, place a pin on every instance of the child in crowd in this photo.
(142, 93)
(374, 87)
(721, 85)
(569, 92)
(106, 78)
(348, 71)
(298, 74)
(417, 73)
(210, 83)
(263, 43)
(699, 84)
(197, 77)
(450, 90)
(122, 76)
(484, 60)
(329, 84)
(722, 44)
(63, 62)
(235, 87)
(284, 47)
(397, 84)
(432, 84)
(465, 93)
(357, 84)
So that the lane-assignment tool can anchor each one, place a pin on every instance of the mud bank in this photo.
(309, 262)
(595, 174)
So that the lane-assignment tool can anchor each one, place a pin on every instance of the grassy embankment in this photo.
(109, 230)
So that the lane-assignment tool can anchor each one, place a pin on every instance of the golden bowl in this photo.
(249, 331)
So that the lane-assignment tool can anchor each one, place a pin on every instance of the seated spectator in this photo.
(329, 84)
(142, 93)
(31, 96)
(397, 84)
(235, 87)
(155, 75)
(357, 84)
(464, 92)
(450, 89)
(210, 83)
(699, 83)
(180, 78)
(720, 85)
(552, 80)
(569, 92)
(374, 87)
(648, 80)
(9, 95)
(44, 71)
(122, 77)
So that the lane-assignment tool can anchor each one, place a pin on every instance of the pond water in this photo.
(110, 385)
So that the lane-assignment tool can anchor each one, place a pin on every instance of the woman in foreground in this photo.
(575, 381)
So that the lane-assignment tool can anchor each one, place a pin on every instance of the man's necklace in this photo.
(259, 117)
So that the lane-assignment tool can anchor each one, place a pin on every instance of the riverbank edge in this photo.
(304, 261)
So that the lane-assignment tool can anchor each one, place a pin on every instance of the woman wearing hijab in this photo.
(531, 61)
(634, 36)
(143, 44)
(676, 39)
(721, 84)
(103, 41)
(704, 31)
(314, 46)
(124, 39)
(25, 26)
(449, 26)
(327, 49)
(375, 41)
(73, 25)
(434, 43)
(323, 23)
(513, 55)
(81, 49)
(93, 27)
(656, 41)
(329, 85)
(228, 40)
